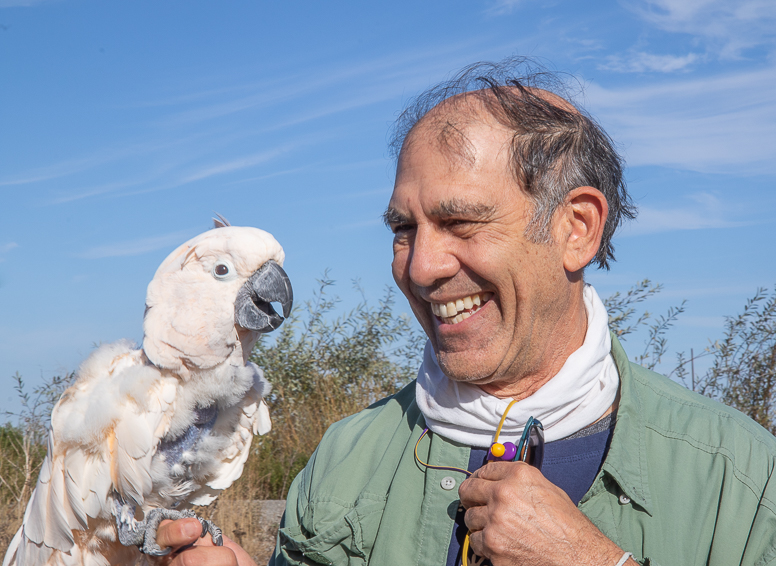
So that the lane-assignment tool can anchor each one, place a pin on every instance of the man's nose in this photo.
(432, 258)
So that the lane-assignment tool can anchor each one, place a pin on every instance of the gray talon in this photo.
(143, 533)
(215, 532)
(153, 518)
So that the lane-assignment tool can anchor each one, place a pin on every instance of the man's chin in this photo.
(463, 367)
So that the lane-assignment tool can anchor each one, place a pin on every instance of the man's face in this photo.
(488, 298)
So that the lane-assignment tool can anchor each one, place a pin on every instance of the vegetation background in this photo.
(325, 365)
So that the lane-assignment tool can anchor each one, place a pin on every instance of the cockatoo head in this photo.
(212, 298)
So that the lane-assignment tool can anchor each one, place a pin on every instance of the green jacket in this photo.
(686, 481)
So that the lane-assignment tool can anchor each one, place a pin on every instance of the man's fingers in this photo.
(184, 532)
(243, 558)
(476, 518)
(495, 471)
(474, 491)
(476, 543)
(478, 488)
(178, 533)
(205, 556)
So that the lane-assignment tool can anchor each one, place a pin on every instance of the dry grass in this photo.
(9, 524)
(252, 524)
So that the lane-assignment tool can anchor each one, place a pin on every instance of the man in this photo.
(504, 194)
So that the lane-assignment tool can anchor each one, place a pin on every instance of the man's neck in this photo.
(566, 337)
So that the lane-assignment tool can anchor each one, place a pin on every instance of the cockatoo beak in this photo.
(252, 309)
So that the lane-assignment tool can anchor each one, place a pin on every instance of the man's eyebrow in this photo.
(391, 217)
(471, 210)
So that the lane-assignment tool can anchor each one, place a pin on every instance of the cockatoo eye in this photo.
(222, 270)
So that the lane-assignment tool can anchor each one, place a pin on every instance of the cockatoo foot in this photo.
(143, 535)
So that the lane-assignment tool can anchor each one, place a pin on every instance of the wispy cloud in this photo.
(93, 160)
(499, 7)
(271, 175)
(5, 248)
(20, 3)
(648, 62)
(728, 27)
(722, 123)
(88, 192)
(235, 164)
(54, 171)
(706, 211)
(135, 247)
(339, 87)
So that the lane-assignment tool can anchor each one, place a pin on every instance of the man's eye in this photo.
(399, 228)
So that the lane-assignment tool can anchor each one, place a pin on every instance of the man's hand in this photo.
(184, 532)
(516, 516)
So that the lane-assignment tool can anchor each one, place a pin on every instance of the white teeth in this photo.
(458, 310)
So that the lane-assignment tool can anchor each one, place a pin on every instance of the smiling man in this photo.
(504, 194)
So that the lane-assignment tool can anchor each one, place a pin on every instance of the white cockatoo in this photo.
(145, 432)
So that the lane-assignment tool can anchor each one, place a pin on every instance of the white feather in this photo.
(10, 555)
(262, 424)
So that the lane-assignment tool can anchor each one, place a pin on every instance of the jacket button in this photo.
(447, 483)
(624, 499)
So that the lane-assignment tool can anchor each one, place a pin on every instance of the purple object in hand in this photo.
(510, 451)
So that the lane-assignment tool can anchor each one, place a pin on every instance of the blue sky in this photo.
(125, 126)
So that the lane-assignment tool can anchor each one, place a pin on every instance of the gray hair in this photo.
(555, 147)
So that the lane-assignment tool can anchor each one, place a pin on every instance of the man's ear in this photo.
(582, 221)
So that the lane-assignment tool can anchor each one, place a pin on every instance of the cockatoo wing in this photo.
(104, 433)
(237, 424)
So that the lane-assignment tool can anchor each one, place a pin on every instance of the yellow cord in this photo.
(421, 462)
(465, 547)
(503, 419)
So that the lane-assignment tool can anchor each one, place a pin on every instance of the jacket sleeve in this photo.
(761, 543)
(290, 523)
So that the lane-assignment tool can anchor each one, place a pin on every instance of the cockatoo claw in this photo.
(156, 516)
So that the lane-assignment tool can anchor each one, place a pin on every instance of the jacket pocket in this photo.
(334, 534)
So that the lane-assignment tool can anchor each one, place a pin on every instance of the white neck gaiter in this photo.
(580, 393)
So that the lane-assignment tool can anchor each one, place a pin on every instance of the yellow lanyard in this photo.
(465, 547)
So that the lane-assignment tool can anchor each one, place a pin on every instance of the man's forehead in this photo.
(456, 143)
(446, 127)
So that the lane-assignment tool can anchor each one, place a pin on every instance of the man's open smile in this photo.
(459, 310)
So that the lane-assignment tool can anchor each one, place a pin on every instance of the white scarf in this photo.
(580, 393)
